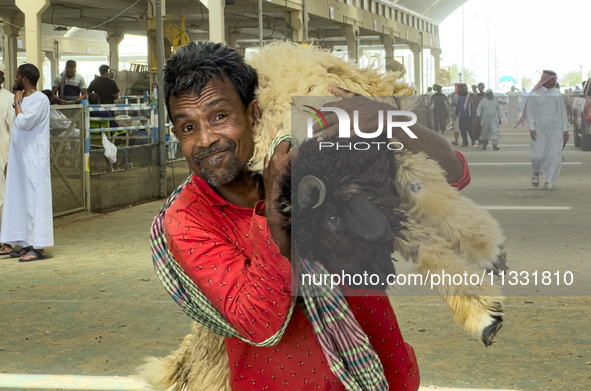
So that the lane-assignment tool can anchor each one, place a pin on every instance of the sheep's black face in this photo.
(343, 210)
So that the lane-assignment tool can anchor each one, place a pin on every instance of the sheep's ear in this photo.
(254, 113)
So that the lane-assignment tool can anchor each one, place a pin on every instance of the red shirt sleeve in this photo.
(465, 179)
(241, 271)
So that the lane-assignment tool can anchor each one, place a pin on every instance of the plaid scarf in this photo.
(347, 348)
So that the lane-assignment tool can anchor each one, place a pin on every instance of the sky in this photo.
(529, 36)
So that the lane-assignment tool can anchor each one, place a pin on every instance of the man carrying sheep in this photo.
(226, 233)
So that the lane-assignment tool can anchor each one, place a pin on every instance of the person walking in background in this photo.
(105, 87)
(476, 98)
(524, 95)
(439, 106)
(464, 112)
(546, 115)
(27, 220)
(513, 97)
(488, 115)
(568, 103)
(69, 87)
(428, 96)
(6, 118)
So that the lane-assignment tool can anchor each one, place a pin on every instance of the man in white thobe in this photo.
(6, 117)
(489, 115)
(513, 96)
(28, 217)
(546, 115)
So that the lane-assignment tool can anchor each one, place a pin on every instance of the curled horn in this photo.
(305, 188)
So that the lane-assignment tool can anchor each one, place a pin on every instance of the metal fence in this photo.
(131, 128)
(78, 155)
(66, 159)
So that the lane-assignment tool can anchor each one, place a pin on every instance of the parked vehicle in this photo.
(582, 118)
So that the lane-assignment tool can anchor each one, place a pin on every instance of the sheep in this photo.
(439, 229)
(347, 222)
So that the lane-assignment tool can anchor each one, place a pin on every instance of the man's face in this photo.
(1, 77)
(215, 131)
(18, 81)
(464, 90)
(550, 83)
(474, 89)
(481, 87)
(490, 96)
(512, 88)
(70, 72)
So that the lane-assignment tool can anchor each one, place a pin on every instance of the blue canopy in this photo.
(508, 78)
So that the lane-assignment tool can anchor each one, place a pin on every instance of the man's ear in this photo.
(175, 131)
(254, 114)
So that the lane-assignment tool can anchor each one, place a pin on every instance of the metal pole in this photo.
(462, 46)
(161, 111)
(422, 88)
(261, 24)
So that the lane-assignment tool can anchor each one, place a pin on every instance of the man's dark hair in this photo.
(437, 88)
(71, 64)
(103, 69)
(429, 89)
(94, 99)
(481, 84)
(197, 63)
(31, 72)
(49, 95)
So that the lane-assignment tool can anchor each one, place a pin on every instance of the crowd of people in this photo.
(25, 180)
(477, 115)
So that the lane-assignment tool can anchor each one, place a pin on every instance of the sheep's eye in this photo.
(333, 219)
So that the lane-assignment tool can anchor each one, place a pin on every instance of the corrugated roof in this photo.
(437, 10)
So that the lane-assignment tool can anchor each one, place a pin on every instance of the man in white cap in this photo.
(6, 118)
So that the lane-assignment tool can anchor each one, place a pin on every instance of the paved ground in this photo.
(97, 308)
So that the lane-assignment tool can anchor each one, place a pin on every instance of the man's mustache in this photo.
(205, 153)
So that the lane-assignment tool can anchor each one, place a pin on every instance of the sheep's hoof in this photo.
(491, 331)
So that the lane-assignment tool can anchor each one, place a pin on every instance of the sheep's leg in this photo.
(478, 308)
(469, 229)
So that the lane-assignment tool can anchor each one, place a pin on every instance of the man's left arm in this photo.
(83, 95)
(83, 91)
(427, 141)
(115, 91)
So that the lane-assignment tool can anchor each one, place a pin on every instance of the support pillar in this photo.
(54, 59)
(216, 20)
(416, 52)
(296, 21)
(351, 34)
(114, 39)
(33, 10)
(436, 53)
(388, 41)
(11, 49)
(232, 35)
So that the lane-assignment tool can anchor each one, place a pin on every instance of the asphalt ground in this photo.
(96, 307)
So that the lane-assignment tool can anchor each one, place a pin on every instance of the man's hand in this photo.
(367, 110)
(18, 96)
(532, 134)
(275, 170)
(565, 136)
(427, 141)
